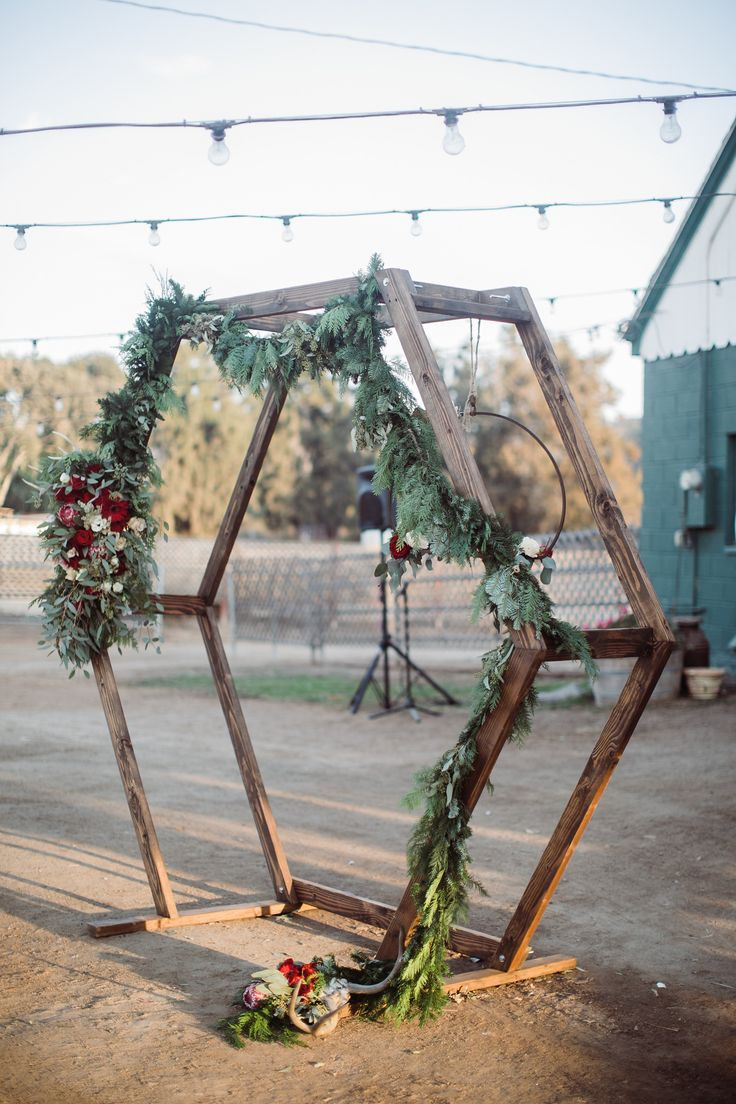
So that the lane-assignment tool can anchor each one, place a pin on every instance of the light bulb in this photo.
(542, 221)
(20, 242)
(154, 238)
(216, 406)
(416, 227)
(194, 390)
(719, 288)
(669, 214)
(287, 234)
(218, 152)
(58, 404)
(551, 305)
(670, 129)
(453, 141)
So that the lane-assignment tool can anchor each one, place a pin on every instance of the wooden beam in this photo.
(497, 305)
(240, 498)
(135, 795)
(397, 290)
(215, 914)
(486, 979)
(287, 300)
(463, 940)
(581, 806)
(265, 823)
(609, 644)
(276, 323)
(493, 734)
(180, 605)
(396, 287)
(607, 513)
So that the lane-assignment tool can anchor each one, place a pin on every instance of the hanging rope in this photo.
(470, 402)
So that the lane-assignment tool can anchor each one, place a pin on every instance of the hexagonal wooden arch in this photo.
(407, 305)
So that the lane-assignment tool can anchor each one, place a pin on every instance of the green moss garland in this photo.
(346, 342)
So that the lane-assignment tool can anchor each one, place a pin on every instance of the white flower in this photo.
(117, 588)
(114, 562)
(137, 524)
(529, 547)
(416, 540)
(71, 574)
(64, 477)
(107, 586)
(71, 551)
(120, 544)
(97, 523)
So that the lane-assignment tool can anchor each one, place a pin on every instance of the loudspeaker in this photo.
(375, 511)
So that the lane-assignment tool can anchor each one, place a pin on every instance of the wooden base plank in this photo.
(123, 925)
(486, 979)
(464, 941)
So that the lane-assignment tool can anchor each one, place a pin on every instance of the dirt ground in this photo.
(647, 898)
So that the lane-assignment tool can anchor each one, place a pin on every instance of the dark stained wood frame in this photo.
(407, 307)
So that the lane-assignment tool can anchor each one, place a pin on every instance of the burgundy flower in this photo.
(67, 515)
(253, 996)
(118, 511)
(399, 549)
(83, 538)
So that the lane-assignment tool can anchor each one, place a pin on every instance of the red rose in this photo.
(83, 538)
(94, 468)
(85, 496)
(67, 515)
(399, 549)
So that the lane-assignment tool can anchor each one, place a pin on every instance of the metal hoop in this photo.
(473, 413)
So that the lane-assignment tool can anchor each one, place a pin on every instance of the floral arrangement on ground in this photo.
(101, 535)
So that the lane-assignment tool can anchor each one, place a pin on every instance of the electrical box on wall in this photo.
(700, 507)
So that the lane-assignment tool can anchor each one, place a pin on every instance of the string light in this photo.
(287, 234)
(542, 221)
(450, 115)
(453, 141)
(218, 152)
(669, 214)
(543, 209)
(415, 228)
(154, 238)
(20, 242)
(670, 129)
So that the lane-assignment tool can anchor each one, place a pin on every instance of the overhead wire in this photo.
(396, 45)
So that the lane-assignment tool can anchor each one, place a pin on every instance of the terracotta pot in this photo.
(704, 683)
(614, 673)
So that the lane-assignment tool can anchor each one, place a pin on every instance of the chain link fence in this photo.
(318, 593)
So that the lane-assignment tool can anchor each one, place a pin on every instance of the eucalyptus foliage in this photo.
(346, 342)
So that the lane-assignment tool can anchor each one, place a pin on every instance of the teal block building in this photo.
(685, 331)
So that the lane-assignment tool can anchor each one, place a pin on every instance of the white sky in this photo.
(87, 60)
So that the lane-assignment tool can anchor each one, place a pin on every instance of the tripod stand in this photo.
(382, 654)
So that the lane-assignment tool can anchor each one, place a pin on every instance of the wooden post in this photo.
(580, 808)
(240, 498)
(264, 820)
(135, 795)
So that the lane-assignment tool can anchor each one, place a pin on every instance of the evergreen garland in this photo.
(346, 342)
